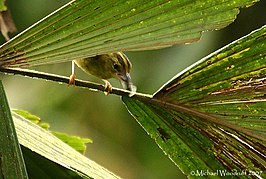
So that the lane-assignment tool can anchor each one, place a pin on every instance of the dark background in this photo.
(120, 144)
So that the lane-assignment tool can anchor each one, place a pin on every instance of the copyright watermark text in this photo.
(223, 173)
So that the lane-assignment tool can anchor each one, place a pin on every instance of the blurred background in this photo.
(119, 142)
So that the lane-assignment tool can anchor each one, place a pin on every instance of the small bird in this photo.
(106, 66)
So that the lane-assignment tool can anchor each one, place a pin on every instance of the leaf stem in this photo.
(146, 98)
(65, 80)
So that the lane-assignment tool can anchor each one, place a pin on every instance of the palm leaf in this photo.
(211, 116)
(12, 161)
(60, 159)
(85, 28)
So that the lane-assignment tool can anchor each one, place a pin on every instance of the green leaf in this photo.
(2, 6)
(228, 84)
(211, 116)
(50, 147)
(86, 28)
(33, 118)
(43, 168)
(75, 142)
(12, 162)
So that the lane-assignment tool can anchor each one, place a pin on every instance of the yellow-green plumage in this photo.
(106, 66)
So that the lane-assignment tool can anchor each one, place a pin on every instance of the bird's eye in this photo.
(116, 66)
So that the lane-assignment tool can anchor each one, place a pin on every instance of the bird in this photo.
(106, 66)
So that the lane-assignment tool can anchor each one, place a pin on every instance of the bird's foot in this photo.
(72, 79)
(107, 87)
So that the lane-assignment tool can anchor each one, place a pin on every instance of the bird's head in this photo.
(106, 66)
(121, 67)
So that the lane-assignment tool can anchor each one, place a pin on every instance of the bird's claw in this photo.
(107, 87)
(72, 79)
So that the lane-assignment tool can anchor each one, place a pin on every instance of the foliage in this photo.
(209, 117)
(45, 144)
(75, 142)
(85, 28)
(214, 123)
(12, 162)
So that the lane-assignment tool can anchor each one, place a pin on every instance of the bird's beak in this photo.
(126, 82)
(125, 77)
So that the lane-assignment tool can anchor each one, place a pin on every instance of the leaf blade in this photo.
(12, 162)
(82, 28)
(237, 88)
(189, 111)
(47, 145)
